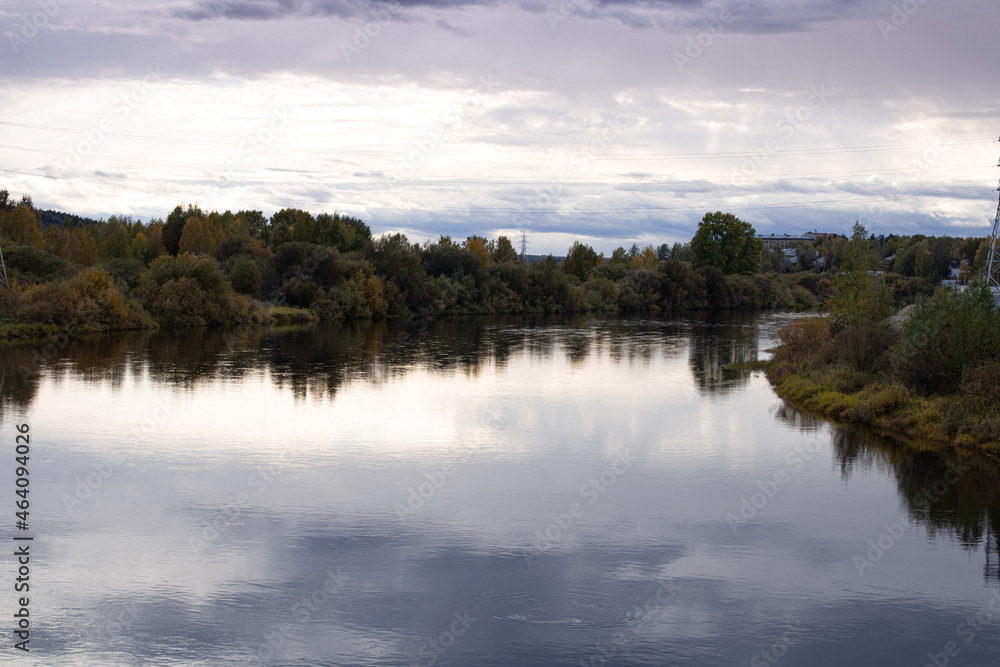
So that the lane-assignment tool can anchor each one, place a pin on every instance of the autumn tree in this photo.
(647, 259)
(476, 245)
(200, 237)
(19, 222)
(174, 226)
(74, 245)
(503, 251)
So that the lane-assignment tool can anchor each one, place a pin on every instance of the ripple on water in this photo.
(555, 609)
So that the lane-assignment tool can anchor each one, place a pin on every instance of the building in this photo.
(786, 240)
(783, 240)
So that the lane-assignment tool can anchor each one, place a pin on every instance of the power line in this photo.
(292, 201)
(428, 182)
(408, 148)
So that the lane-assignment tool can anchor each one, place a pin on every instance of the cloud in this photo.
(714, 134)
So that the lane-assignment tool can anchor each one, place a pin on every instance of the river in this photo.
(479, 491)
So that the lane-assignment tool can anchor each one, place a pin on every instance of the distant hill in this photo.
(63, 219)
(534, 259)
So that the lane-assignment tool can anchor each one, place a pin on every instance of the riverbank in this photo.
(930, 382)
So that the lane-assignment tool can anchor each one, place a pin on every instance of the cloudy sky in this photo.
(611, 122)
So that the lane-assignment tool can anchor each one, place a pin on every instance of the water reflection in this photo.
(719, 339)
(949, 494)
(423, 469)
(317, 360)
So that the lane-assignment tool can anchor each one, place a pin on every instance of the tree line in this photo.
(207, 268)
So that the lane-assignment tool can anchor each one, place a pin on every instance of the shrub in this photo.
(245, 278)
(29, 264)
(864, 347)
(877, 400)
(803, 339)
(88, 301)
(186, 291)
(944, 336)
(606, 291)
(126, 272)
(973, 412)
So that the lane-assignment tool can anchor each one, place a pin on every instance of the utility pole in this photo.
(524, 246)
(993, 264)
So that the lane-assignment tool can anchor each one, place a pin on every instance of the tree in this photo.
(726, 242)
(504, 251)
(682, 253)
(253, 221)
(806, 256)
(663, 252)
(291, 224)
(174, 226)
(862, 296)
(620, 258)
(245, 278)
(647, 259)
(200, 237)
(580, 260)
(773, 260)
(19, 222)
(476, 246)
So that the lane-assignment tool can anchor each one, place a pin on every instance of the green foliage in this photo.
(330, 265)
(446, 258)
(291, 224)
(727, 243)
(580, 261)
(682, 252)
(319, 264)
(245, 278)
(126, 272)
(974, 415)
(30, 264)
(934, 381)
(187, 291)
(862, 296)
(946, 335)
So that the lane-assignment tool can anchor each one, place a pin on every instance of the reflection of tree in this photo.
(317, 360)
(718, 339)
(802, 421)
(946, 493)
(88, 357)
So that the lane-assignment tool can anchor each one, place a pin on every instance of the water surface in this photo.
(519, 491)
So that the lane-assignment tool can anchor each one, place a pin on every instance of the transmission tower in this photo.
(524, 245)
(993, 263)
(3, 264)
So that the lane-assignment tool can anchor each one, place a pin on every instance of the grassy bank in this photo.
(931, 382)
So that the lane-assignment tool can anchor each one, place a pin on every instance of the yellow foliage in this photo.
(200, 237)
(477, 248)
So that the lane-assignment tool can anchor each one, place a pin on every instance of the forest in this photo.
(205, 268)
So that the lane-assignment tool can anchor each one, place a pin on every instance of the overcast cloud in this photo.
(611, 122)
